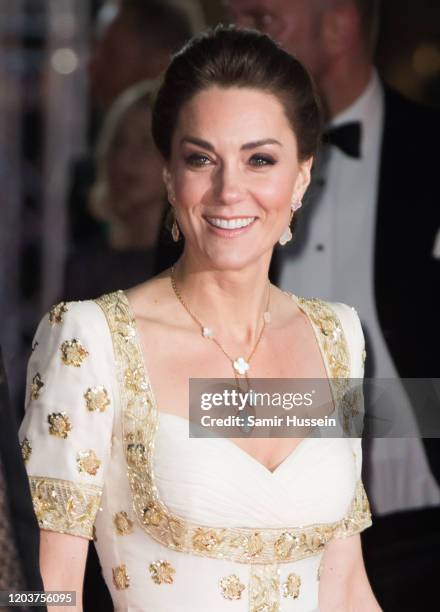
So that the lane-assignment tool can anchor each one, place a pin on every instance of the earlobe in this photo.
(303, 179)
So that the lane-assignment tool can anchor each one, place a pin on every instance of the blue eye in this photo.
(197, 160)
(260, 160)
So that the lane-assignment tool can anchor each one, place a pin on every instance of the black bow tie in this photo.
(346, 137)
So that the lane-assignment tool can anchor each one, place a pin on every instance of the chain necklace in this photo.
(239, 365)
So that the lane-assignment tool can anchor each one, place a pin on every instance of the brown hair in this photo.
(228, 57)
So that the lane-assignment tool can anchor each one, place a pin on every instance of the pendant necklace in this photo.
(240, 365)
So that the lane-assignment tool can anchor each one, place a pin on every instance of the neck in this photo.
(232, 302)
(137, 231)
(343, 84)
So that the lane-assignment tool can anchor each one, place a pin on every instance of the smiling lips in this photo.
(224, 227)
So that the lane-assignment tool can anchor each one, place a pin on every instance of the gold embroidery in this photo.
(121, 579)
(140, 421)
(151, 515)
(264, 588)
(88, 462)
(26, 449)
(97, 399)
(56, 313)
(134, 380)
(358, 516)
(253, 544)
(123, 525)
(334, 345)
(59, 424)
(36, 386)
(65, 506)
(73, 352)
(206, 540)
(162, 572)
(291, 586)
(231, 587)
(136, 455)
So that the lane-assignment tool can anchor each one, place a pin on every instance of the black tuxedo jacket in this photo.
(408, 218)
(406, 273)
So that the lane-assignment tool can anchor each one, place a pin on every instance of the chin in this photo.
(230, 260)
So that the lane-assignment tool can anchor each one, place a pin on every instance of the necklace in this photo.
(239, 365)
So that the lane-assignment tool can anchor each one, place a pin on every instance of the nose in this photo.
(228, 185)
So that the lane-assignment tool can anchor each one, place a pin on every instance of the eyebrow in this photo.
(248, 145)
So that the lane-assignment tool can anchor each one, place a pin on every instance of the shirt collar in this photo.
(365, 109)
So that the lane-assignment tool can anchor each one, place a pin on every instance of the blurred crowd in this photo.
(114, 230)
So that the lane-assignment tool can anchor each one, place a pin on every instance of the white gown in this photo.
(182, 523)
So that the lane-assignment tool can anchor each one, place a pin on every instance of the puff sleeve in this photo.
(67, 429)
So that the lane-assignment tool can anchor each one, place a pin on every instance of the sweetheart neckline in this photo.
(240, 450)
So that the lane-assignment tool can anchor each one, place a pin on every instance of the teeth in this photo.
(230, 224)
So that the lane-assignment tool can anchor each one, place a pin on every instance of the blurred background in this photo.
(60, 70)
(82, 204)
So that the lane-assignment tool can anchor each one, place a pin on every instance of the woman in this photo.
(129, 197)
(204, 524)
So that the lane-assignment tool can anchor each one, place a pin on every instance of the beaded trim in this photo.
(140, 422)
(64, 506)
(264, 588)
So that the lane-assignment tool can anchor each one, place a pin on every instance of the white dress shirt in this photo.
(336, 263)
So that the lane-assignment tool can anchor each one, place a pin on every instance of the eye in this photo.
(260, 160)
(197, 160)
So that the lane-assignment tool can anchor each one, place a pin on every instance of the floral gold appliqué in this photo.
(26, 449)
(59, 424)
(284, 545)
(97, 399)
(36, 386)
(121, 579)
(56, 313)
(231, 587)
(73, 353)
(206, 539)
(162, 572)
(291, 586)
(152, 515)
(88, 462)
(123, 525)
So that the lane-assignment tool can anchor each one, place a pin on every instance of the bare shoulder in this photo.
(149, 298)
(285, 311)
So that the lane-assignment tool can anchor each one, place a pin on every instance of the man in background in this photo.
(366, 237)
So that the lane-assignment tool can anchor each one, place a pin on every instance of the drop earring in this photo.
(287, 236)
(175, 232)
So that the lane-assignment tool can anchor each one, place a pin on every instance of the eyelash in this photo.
(198, 160)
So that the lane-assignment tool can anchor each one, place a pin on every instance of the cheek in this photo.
(274, 194)
(192, 188)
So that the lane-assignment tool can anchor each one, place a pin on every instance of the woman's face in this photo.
(234, 171)
(134, 165)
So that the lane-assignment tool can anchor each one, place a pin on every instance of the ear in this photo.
(166, 177)
(340, 28)
(303, 179)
